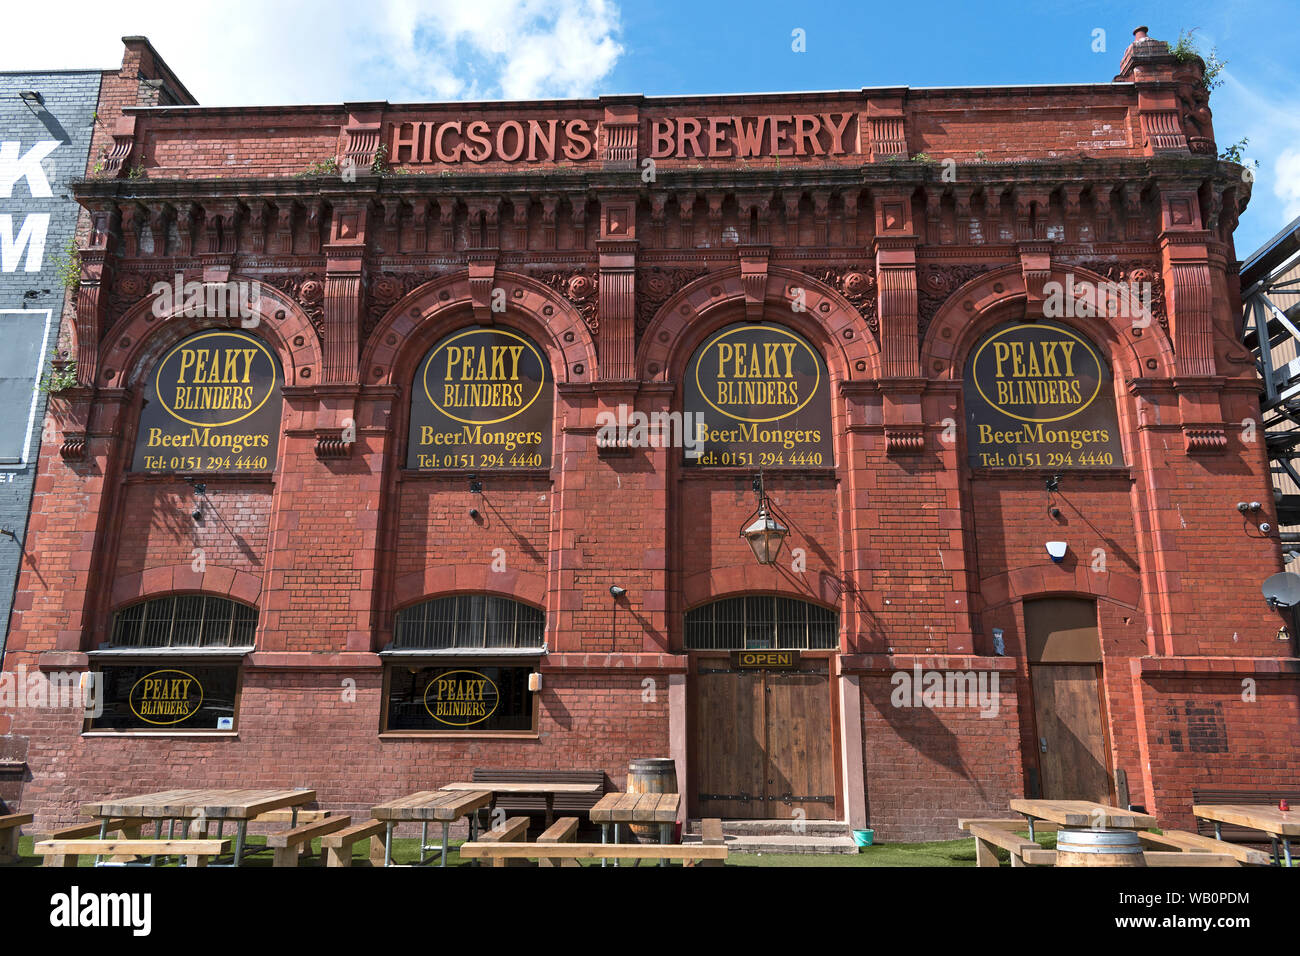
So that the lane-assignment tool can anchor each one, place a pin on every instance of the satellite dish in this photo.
(1282, 590)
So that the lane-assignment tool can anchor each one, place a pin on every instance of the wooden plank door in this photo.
(728, 757)
(1072, 741)
(800, 772)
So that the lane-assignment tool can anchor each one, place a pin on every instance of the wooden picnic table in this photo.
(548, 790)
(1081, 813)
(239, 806)
(439, 806)
(646, 808)
(1280, 825)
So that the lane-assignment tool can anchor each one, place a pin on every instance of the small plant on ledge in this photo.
(60, 376)
(68, 265)
(326, 167)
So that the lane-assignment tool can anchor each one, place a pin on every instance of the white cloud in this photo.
(1287, 182)
(251, 52)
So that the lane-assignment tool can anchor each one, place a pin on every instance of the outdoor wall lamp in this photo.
(764, 533)
(617, 591)
(31, 96)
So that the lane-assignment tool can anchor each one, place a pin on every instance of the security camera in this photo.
(617, 591)
(1243, 507)
(1057, 550)
(473, 513)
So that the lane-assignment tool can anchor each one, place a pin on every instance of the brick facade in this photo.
(619, 269)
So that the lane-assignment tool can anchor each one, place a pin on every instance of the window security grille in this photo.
(185, 620)
(469, 620)
(761, 622)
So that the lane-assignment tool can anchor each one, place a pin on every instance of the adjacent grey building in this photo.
(47, 119)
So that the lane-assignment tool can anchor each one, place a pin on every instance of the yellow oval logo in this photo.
(493, 370)
(763, 373)
(461, 698)
(216, 378)
(166, 697)
(1037, 373)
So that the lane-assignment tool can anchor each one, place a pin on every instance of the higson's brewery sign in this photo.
(211, 404)
(1040, 396)
(482, 398)
(574, 139)
(762, 394)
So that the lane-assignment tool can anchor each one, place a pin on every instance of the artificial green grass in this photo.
(406, 850)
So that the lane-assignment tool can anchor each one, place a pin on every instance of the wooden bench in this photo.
(128, 827)
(1182, 840)
(337, 846)
(564, 804)
(999, 833)
(563, 830)
(711, 835)
(1043, 826)
(499, 852)
(288, 844)
(1238, 834)
(516, 828)
(66, 852)
(11, 825)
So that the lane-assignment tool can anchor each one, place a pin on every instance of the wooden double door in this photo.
(761, 741)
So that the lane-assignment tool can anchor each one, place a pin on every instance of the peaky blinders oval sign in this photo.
(483, 398)
(1039, 395)
(758, 395)
(212, 404)
(166, 697)
(461, 698)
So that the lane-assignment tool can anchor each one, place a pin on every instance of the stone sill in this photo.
(226, 734)
(891, 663)
(1261, 667)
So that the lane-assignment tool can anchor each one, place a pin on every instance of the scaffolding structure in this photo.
(1270, 298)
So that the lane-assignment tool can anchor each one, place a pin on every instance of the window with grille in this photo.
(761, 622)
(185, 620)
(469, 620)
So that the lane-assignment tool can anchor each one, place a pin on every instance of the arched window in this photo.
(185, 620)
(761, 622)
(469, 620)
(173, 665)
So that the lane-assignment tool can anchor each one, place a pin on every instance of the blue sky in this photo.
(255, 51)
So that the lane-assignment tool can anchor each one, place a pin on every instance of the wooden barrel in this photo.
(651, 775)
(1099, 848)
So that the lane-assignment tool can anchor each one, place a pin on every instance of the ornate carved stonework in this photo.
(655, 287)
(382, 290)
(308, 290)
(856, 284)
(1138, 273)
(128, 288)
(934, 285)
(580, 288)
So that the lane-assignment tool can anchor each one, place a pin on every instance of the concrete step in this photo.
(783, 843)
(785, 827)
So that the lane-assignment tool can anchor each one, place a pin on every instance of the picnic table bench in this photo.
(11, 825)
(337, 846)
(67, 852)
(1280, 825)
(1188, 850)
(651, 809)
(437, 806)
(200, 807)
(546, 789)
(687, 852)
(1081, 813)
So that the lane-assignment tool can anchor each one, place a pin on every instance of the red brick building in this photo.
(900, 304)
